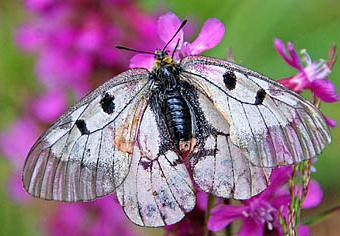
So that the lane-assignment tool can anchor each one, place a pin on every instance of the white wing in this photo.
(222, 168)
(85, 154)
(158, 190)
(274, 125)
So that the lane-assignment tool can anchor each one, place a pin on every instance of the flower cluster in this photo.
(260, 214)
(101, 217)
(74, 39)
(312, 75)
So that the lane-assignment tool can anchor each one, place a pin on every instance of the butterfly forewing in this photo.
(273, 124)
(84, 154)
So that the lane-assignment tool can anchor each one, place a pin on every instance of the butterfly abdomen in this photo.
(177, 116)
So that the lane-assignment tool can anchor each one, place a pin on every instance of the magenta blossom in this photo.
(49, 106)
(74, 40)
(103, 217)
(15, 144)
(211, 34)
(260, 213)
(312, 75)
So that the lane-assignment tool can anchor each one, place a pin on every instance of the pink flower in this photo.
(49, 106)
(330, 122)
(202, 200)
(211, 34)
(260, 213)
(15, 144)
(15, 189)
(314, 195)
(74, 40)
(192, 224)
(103, 217)
(312, 75)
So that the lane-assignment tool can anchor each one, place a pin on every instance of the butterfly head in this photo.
(162, 58)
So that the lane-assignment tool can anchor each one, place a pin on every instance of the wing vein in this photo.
(153, 189)
(81, 163)
(173, 195)
(130, 101)
(287, 143)
(233, 167)
(97, 163)
(269, 133)
(136, 192)
(222, 90)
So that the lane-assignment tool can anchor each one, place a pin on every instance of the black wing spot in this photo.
(107, 103)
(260, 95)
(229, 79)
(145, 163)
(81, 125)
(176, 162)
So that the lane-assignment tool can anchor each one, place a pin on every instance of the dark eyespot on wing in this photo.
(260, 95)
(81, 125)
(107, 103)
(229, 79)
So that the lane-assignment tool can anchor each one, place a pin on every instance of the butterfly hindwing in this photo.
(84, 154)
(158, 189)
(219, 166)
(274, 125)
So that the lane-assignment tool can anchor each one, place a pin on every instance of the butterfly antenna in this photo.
(174, 51)
(133, 50)
(179, 28)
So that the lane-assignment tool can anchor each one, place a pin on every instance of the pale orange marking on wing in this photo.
(126, 134)
(120, 142)
(186, 147)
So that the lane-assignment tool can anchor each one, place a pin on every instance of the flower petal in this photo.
(16, 142)
(38, 5)
(142, 61)
(298, 83)
(250, 227)
(29, 37)
(50, 106)
(294, 57)
(211, 34)
(280, 176)
(15, 189)
(314, 195)
(325, 90)
(281, 198)
(223, 215)
(304, 230)
(281, 49)
(330, 122)
(167, 26)
(332, 56)
(202, 200)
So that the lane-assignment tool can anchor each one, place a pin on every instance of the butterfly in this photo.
(152, 136)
